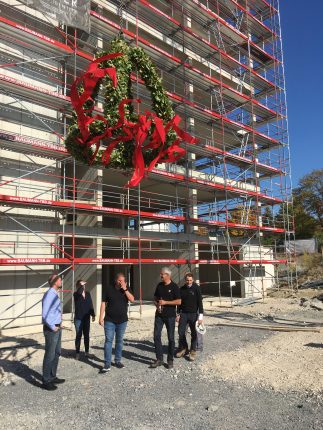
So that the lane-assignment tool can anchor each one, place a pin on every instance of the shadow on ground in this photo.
(10, 363)
(131, 355)
(314, 345)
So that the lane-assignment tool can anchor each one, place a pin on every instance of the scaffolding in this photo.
(221, 213)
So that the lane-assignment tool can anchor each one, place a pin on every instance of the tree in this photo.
(309, 195)
(306, 226)
(241, 215)
(308, 205)
(270, 219)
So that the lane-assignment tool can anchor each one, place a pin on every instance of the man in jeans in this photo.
(52, 319)
(114, 317)
(190, 311)
(166, 298)
(84, 310)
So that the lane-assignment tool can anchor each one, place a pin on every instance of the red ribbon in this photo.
(149, 128)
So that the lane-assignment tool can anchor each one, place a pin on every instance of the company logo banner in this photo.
(75, 13)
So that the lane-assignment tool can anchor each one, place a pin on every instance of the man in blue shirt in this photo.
(52, 319)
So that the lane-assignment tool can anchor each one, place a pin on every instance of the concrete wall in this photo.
(257, 279)
(217, 276)
(18, 307)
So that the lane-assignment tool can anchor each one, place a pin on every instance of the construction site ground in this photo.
(246, 378)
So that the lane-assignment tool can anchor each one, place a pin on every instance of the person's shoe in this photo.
(119, 365)
(77, 356)
(156, 364)
(192, 355)
(170, 365)
(180, 353)
(49, 386)
(58, 381)
(105, 369)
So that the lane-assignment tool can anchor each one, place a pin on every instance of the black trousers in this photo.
(187, 319)
(170, 327)
(82, 327)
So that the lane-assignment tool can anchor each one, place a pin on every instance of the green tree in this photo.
(306, 226)
(309, 194)
(308, 205)
(269, 219)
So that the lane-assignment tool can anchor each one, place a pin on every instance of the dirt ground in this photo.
(282, 362)
(284, 293)
(245, 378)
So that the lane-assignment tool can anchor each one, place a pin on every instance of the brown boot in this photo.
(192, 355)
(156, 364)
(180, 353)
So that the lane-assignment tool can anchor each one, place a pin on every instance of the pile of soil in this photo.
(284, 362)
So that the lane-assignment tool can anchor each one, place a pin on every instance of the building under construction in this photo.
(221, 213)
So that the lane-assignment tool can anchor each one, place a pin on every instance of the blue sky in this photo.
(302, 33)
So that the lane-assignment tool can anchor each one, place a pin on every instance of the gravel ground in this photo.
(137, 397)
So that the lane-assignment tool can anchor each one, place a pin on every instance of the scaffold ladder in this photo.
(241, 80)
(219, 101)
(217, 35)
(244, 143)
(237, 14)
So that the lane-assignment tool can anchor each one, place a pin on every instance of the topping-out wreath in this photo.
(120, 137)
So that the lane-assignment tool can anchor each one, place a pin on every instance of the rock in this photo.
(304, 302)
(212, 408)
(316, 304)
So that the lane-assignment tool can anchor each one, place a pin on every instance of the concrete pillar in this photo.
(192, 193)
(97, 291)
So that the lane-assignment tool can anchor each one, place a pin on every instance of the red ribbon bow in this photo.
(149, 128)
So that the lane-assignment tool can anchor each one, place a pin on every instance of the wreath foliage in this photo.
(132, 59)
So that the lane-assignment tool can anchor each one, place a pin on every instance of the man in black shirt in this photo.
(83, 312)
(166, 298)
(114, 318)
(190, 311)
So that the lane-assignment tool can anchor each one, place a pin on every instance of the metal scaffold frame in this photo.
(223, 212)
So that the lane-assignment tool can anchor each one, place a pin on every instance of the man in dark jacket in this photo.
(190, 311)
(83, 312)
(166, 298)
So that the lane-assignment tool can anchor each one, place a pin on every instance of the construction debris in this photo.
(274, 327)
(315, 303)
(312, 284)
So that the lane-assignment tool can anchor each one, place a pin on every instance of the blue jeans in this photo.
(52, 353)
(110, 329)
(82, 327)
(170, 327)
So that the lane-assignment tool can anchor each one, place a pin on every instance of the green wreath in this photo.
(132, 59)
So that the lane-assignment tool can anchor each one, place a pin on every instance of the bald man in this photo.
(167, 296)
